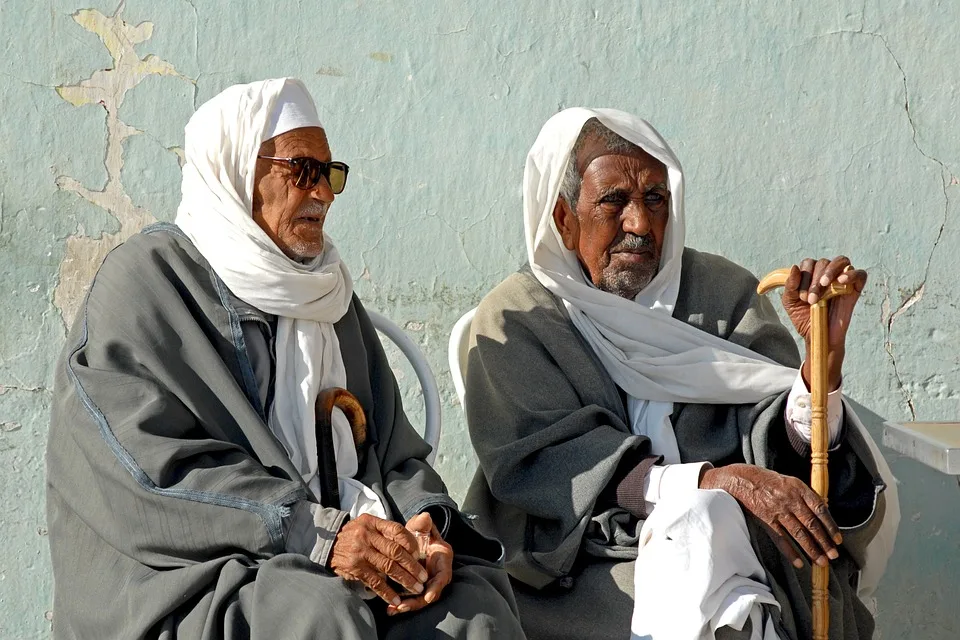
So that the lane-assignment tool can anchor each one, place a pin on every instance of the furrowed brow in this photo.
(614, 191)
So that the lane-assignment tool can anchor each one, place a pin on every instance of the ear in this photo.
(567, 224)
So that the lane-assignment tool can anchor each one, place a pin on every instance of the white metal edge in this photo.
(921, 448)
(456, 353)
(428, 382)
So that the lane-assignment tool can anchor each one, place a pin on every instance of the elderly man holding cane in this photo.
(642, 418)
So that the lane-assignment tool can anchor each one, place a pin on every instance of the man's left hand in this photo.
(438, 562)
(808, 281)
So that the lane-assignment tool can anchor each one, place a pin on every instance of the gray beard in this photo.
(298, 249)
(627, 284)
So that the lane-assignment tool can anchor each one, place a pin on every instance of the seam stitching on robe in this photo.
(271, 514)
(250, 387)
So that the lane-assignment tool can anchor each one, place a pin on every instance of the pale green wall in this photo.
(814, 127)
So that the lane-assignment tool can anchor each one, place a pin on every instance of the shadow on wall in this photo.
(922, 581)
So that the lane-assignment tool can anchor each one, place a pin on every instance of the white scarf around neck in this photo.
(222, 141)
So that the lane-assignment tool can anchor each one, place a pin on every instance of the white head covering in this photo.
(222, 141)
(656, 359)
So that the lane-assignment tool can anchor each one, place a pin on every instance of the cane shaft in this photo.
(819, 475)
(819, 388)
(819, 441)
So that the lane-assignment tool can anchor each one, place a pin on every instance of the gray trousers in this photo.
(478, 604)
(597, 607)
(290, 597)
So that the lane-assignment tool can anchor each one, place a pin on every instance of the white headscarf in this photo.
(222, 141)
(656, 359)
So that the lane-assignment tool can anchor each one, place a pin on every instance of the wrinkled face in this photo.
(618, 227)
(292, 217)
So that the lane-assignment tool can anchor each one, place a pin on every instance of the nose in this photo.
(635, 218)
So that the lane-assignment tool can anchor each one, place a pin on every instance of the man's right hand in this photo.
(788, 507)
(370, 550)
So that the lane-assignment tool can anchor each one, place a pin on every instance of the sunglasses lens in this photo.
(312, 171)
(337, 177)
(305, 176)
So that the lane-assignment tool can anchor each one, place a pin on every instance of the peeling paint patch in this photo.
(381, 56)
(331, 71)
(887, 317)
(7, 427)
(106, 88)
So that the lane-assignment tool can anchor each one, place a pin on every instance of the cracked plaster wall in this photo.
(805, 128)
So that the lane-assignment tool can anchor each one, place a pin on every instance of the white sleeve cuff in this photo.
(799, 412)
(669, 479)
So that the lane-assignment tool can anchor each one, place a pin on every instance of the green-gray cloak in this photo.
(552, 435)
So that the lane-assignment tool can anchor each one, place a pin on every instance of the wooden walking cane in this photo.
(819, 479)
(348, 403)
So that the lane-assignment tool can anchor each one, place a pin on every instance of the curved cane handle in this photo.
(779, 277)
(348, 403)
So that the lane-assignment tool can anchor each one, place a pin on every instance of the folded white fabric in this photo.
(696, 571)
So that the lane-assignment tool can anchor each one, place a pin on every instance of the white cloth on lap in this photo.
(696, 571)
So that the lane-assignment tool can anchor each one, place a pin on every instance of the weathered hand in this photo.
(806, 284)
(785, 505)
(369, 550)
(439, 562)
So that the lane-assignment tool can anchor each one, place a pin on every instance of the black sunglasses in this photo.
(310, 170)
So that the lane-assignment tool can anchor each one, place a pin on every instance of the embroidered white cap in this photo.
(294, 108)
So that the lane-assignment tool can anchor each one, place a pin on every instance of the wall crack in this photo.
(946, 178)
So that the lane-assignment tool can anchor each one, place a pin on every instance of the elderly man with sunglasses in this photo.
(192, 490)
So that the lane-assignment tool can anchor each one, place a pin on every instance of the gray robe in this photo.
(172, 507)
(552, 435)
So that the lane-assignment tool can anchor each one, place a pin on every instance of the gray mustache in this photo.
(634, 243)
(316, 209)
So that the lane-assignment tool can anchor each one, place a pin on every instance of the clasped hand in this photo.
(807, 283)
(369, 550)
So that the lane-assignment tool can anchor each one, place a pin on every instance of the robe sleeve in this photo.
(759, 434)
